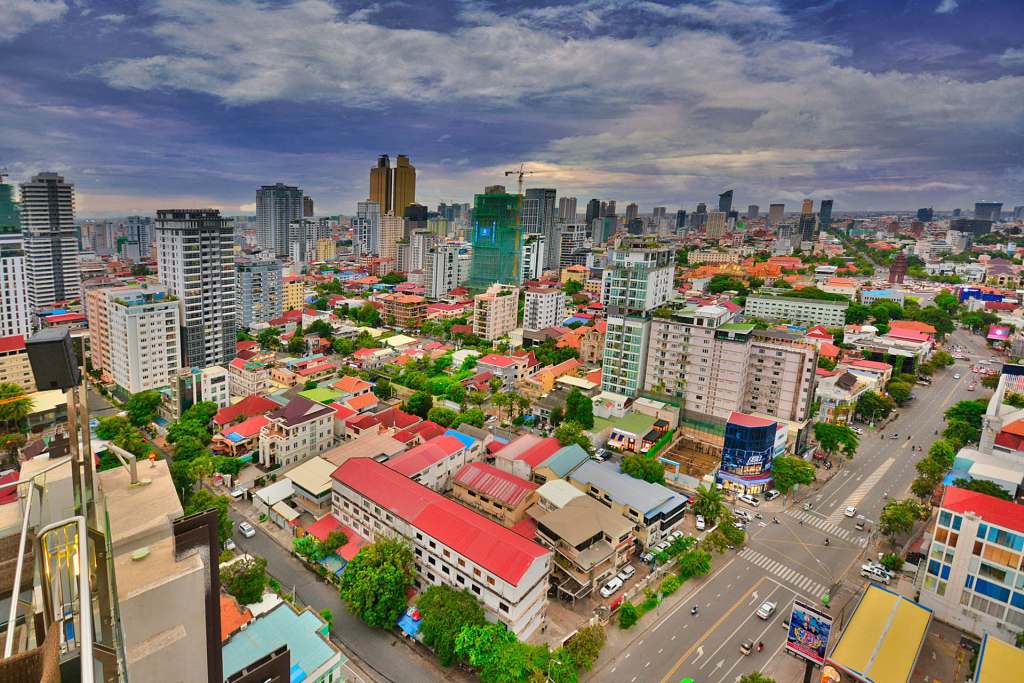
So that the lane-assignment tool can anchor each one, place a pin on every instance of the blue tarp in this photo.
(409, 625)
(297, 674)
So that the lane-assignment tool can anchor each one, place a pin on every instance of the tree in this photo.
(898, 391)
(641, 467)
(982, 486)
(898, 517)
(708, 504)
(383, 389)
(188, 448)
(756, 677)
(446, 612)
(269, 338)
(473, 416)
(943, 451)
(960, 433)
(203, 500)
(788, 471)
(419, 403)
(857, 314)
(446, 417)
(836, 439)
(586, 645)
(557, 416)
(579, 408)
(872, 406)
(328, 616)
(142, 407)
(494, 652)
(392, 278)
(628, 615)
(496, 384)
(321, 328)
(109, 427)
(308, 547)
(202, 468)
(570, 432)
(694, 562)
(245, 579)
(572, 287)
(946, 301)
(15, 405)
(310, 384)
(336, 539)
(296, 344)
(970, 411)
(375, 582)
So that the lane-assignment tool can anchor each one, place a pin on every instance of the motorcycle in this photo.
(694, 610)
(826, 541)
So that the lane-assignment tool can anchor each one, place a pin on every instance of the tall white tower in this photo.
(51, 248)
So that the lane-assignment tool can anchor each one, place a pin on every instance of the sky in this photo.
(877, 104)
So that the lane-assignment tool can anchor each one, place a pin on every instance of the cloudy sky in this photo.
(879, 104)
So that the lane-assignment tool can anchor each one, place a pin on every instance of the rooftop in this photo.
(559, 492)
(247, 407)
(566, 459)
(300, 410)
(302, 632)
(582, 518)
(624, 489)
(494, 483)
(992, 510)
(314, 475)
(426, 454)
(745, 420)
(998, 662)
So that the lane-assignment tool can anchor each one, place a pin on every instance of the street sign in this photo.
(809, 630)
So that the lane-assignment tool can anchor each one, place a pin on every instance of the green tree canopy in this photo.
(572, 287)
(694, 562)
(245, 579)
(203, 500)
(570, 432)
(898, 391)
(836, 439)
(642, 467)
(446, 417)
(898, 517)
(970, 411)
(788, 471)
(473, 416)
(586, 645)
(142, 407)
(873, 406)
(756, 677)
(982, 486)
(375, 582)
(579, 408)
(709, 504)
(446, 612)
(269, 338)
(494, 652)
(419, 403)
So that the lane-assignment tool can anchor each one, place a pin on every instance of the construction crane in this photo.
(520, 172)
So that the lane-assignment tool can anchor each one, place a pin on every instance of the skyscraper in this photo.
(593, 210)
(195, 258)
(658, 213)
(380, 183)
(307, 207)
(988, 211)
(807, 222)
(139, 243)
(15, 312)
(753, 212)
(403, 190)
(497, 237)
(725, 201)
(776, 212)
(680, 221)
(540, 218)
(259, 292)
(392, 229)
(567, 210)
(51, 248)
(276, 207)
(825, 215)
(925, 215)
(716, 224)
(10, 222)
(366, 227)
(632, 210)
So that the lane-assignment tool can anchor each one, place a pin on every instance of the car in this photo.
(878, 566)
(237, 492)
(766, 610)
(850, 511)
(247, 529)
(741, 514)
(611, 588)
(746, 647)
(740, 524)
(661, 547)
(772, 494)
(700, 523)
(626, 572)
(675, 535)
(229, 545)
(750, 500)
(647, 558)
(856, 430)
(956, 376)
(873, 573)
(972, 386)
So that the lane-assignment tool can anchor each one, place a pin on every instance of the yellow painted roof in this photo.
(999, 662)
(883, 639)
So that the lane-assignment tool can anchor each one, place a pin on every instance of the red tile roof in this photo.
(232, 616)
(246, 408)
(908, 335)
(312, 370)
(247, 428)
(494, 483)
(992, 510)
(341, 412)
(426, 454)
(870, 365)
(13, 343)
(484, 542)
(745, 420)
(351, 384)
(496, 360)
(915, 325)
(537, 453)
(362, 401)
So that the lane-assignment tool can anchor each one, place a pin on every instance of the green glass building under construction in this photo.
(497, 237)
(10, 222)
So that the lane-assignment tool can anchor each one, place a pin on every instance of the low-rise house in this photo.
(837, 393)
(433, 463)
(452, 545)
(654, 509)
(311, 483)
(240, 439)
(492, 492)
(877, 371)
(250, 406)
(301, 370)
(506, 368)
(385, 422)
(521, 455)
(296, 432)
(592, 342)
(543, 380)
(559, 464)
(14, 365)
(246, 378)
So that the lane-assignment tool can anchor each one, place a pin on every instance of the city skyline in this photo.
(665, 104)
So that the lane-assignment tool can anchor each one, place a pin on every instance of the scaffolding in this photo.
(497, 237)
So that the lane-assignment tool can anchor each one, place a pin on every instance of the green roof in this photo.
(634, 423)
(320, 394)
(737, 327)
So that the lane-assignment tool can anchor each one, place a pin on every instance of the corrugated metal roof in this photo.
(495, 483)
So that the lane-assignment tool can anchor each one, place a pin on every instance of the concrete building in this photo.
(301, 246)
(404, 311)
(543, 308)
(195, 256)
(540, 217)
(293, 292)
(247, 377)
(258, 292)
(532, 260)
(794, 309)
(296, 432)
(194, 385)
(496, 311)
(326, 249)
(716, 224)
(574, 242)
(145, 346)
(276, 207)
(14, 364)
(494, 493)
(566, 209)
(435, 462)
(776, 213)
(392, 229)
(637, 280)
(50, 245)
(366, 228)
(452, 545)
(15, 308)
(508, 369)
(972, 577)
(444, 269)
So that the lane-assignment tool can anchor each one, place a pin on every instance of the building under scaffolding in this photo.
(497, 237)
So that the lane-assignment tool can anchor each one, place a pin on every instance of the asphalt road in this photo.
(782, 561)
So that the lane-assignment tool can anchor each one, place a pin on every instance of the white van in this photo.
(874, 574)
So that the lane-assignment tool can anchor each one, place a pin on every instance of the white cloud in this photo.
(947, 7)
(113, 18)
(18, 16)
(1012, 58)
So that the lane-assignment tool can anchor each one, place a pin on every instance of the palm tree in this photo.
(709, 503)
(15, 405)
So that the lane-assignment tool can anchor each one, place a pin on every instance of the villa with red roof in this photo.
(452, 545)
(244, 409)
(433, 463)
(509, 369)
(240, 439)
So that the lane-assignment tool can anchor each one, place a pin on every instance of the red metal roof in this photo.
(992, 510)
(426, 454)
(64, 318)
(870, 364)
(495, 483)
(13, 343)
(496, 360)
(247, 428)
(247, 407)
(745, 420)
(488, 544)
(538, 453)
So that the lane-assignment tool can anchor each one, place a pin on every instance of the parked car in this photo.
(647, 558)
(956, 375)
(773, 493)
(850, 511)
(247, 529)
(610, 588)
(661, 547)
(700, 523)
(742, 515)
(873, 573)
(237, 492)
(626, 572)
(229, 544)
(856, 430)
(750, 500)
(766, 610)
(675, 535)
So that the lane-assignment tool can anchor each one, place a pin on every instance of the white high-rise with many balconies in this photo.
(276, 207)
(51, 248)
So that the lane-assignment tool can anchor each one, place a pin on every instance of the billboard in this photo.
(808, 635)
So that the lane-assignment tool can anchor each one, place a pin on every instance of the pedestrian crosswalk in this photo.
(858, 494)
(855, 537)
(808, 586)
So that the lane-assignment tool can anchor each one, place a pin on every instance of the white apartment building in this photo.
(496, 311)
(543, 308)
(573, 243)
(794, 309)
(276, 207)
(296, 432)
(195, 256)
(145, 348)
(259, 292)
(452, 544)
(51, 248)
(302, 237)
(366, 228)
(534, 250)
(443, 270)
(15, 311)
(247, 377)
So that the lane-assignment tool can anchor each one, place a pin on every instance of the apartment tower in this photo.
(51, 248)
(276, 207)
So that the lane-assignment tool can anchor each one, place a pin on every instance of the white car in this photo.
(750, 500)
(229, 544)
(610, 588)
(626, 572)
(741, 515)
(956, 376)
(766, 610)
(771, 495)
(850, 511)
(675, 535)
(247, 529)
(661, 547)
(857, 430)
(700, 523)
(875, 574)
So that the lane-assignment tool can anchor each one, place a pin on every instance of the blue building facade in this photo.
(751, 444)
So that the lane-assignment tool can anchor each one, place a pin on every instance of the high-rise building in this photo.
(609, 208)
(753, 212)
(195, 259)
(145, 347)
(807, 222)
(975, 226)
(637, 280)
(658, 213)
(380, 183)
(276, 207)
(725, 201)
(925, 215)
(10, 220)
(825, 215)
(573, 242)
(543, 308)
(593, 210)
(1018, 213)
(392, 230)
(496, 311)
(716, 225)
(366, 228)
(776, 212)
(442, 269)
(534, 248)
(988, 211)
(632, 211)
(51, 248)
(307, 207)
(15, 309)
(680, 221)
(138, 241)
(259, 294)
(497, 238)
(302, 242)
(567, 209)
(956, 213)
(603, 229)
(540, 217)
(403, 191)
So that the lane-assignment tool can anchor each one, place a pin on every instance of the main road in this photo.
(781, 562)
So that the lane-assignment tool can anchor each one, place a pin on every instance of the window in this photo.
(490, 581)
(476, 589)
(503, 607)
(476, 572)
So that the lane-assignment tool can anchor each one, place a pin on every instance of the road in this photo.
(782, 561)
